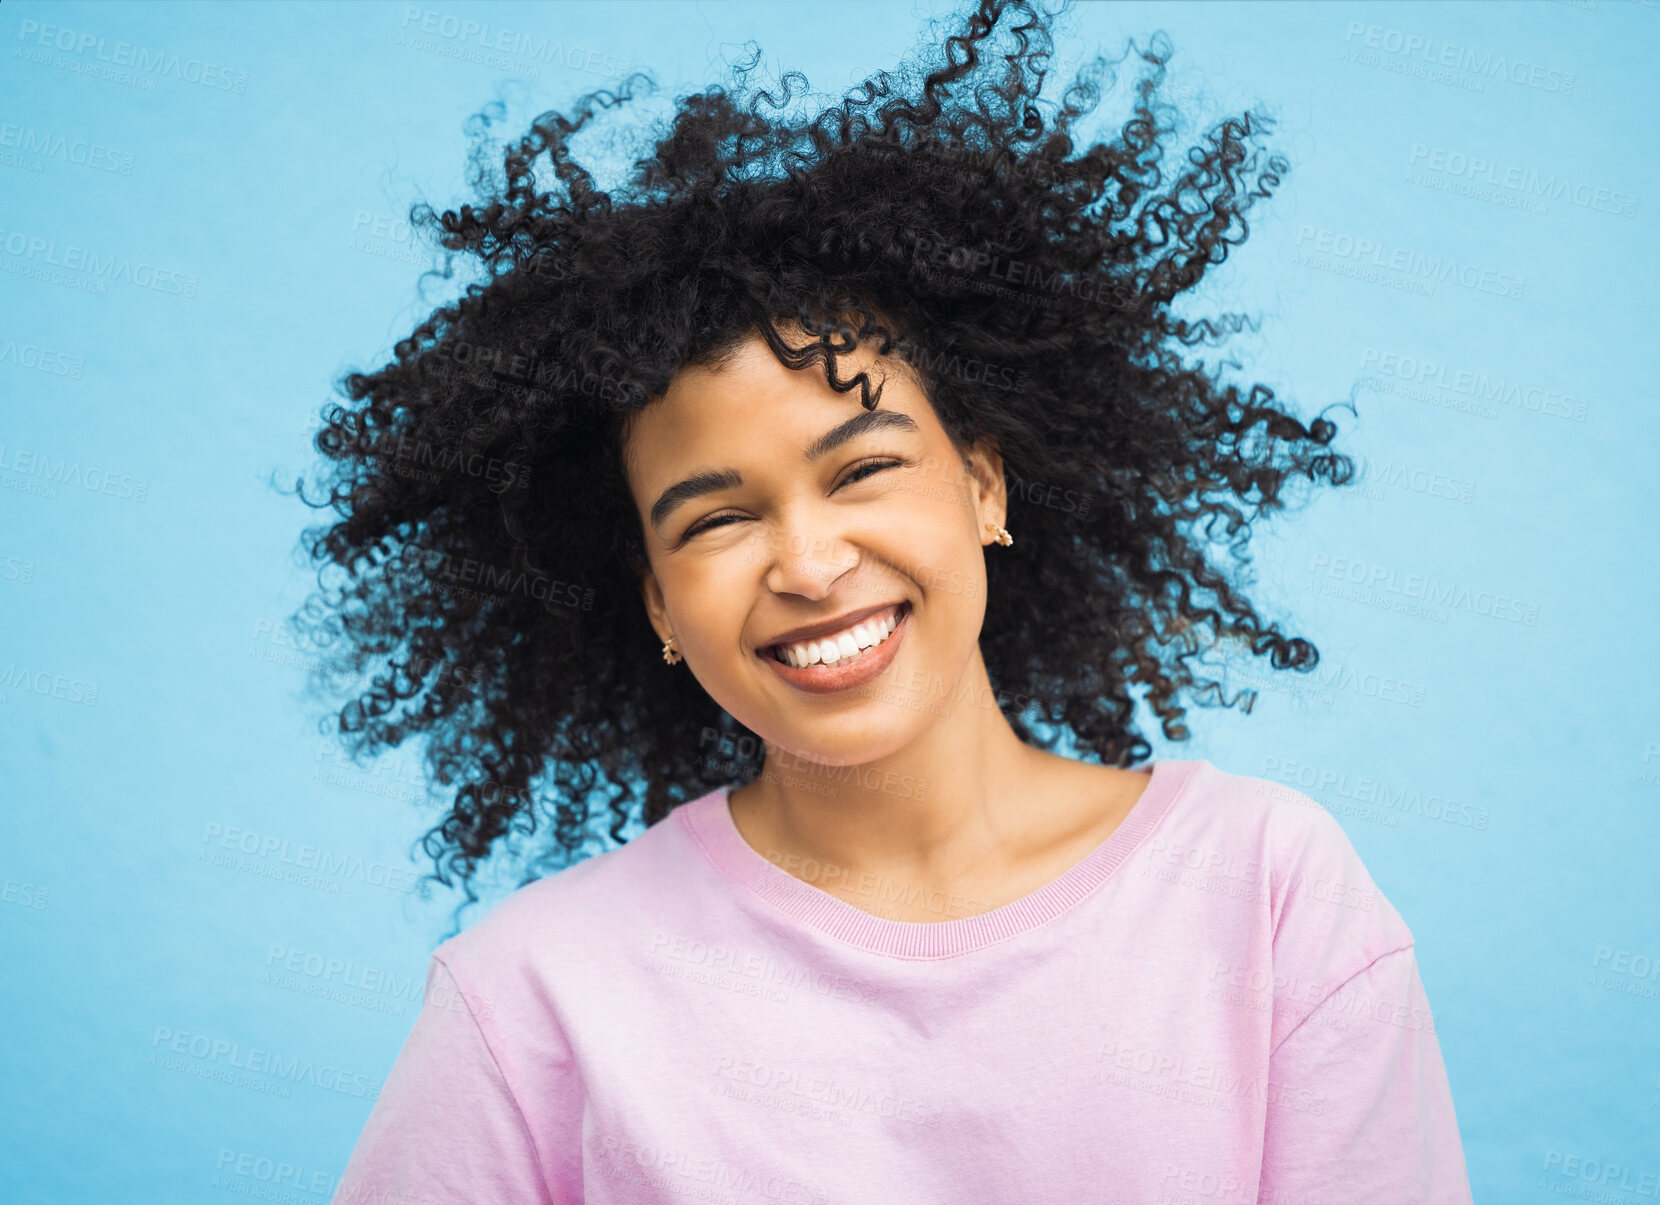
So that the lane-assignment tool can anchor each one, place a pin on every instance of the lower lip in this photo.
(824, 679)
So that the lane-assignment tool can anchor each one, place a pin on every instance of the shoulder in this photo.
(1244, 803)
(1295, 837)
(578, 908)
(1313, 880)
(1322, 918)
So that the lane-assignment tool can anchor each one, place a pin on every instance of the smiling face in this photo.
(775, 509)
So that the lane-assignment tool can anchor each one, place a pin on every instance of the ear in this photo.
(990, 491)
(651, 591)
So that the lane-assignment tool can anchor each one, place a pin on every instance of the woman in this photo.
(883, 417)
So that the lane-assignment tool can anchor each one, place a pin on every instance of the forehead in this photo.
(751, 403)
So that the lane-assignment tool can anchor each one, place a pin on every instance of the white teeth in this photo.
(841, 646)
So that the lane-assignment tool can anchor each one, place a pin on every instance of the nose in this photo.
(803, 562)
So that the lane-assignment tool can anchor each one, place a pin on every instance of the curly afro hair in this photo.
(484, 567)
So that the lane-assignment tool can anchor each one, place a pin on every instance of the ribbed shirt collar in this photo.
(708, 820)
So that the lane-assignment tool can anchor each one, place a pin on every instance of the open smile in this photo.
(843, 659)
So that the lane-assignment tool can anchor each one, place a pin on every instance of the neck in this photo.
(954, 803)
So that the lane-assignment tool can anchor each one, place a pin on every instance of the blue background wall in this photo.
(151, 708)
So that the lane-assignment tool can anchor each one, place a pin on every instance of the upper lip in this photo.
(813, 631)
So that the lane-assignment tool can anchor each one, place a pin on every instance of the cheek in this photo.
(933, 507)
(708, 611)
(942, 504)
(936, 550)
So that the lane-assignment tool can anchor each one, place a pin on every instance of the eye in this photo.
(859, 472)
(703, 525)
(869, 468)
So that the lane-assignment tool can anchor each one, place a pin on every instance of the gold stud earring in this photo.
(670, 653)
(1001, 533)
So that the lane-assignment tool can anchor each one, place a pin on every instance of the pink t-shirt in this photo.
(1216, 1006)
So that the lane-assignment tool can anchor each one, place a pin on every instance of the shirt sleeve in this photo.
(1359, 1108)
(446, 1128)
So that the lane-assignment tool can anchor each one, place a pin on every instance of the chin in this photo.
(854, 741)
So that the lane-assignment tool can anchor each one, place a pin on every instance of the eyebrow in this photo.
(711, 480)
